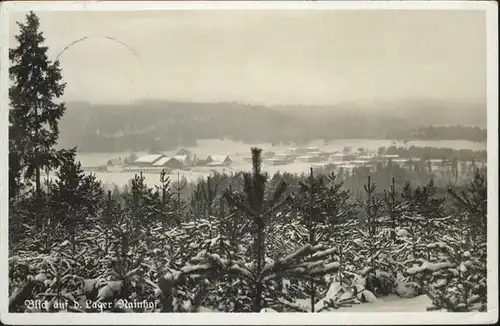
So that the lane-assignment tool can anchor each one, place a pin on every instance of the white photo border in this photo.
(491, 316)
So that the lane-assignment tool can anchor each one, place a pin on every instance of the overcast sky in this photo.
(269, 57)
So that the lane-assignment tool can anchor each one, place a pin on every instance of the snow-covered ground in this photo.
(390, 303)
(394, 304)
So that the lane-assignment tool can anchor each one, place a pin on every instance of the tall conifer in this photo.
(34, 113)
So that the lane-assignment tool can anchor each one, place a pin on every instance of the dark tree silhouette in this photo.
(34, 113)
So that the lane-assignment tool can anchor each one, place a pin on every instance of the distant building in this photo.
(161, 162)
(116, 161)
(312, 149)
(218, 160)
(175, 162)
(399, 161)
(366, 157)
(303, 150)
(345, 167)
(341, 157)
(359, 162)
(309, 158)
(440, 162)
(147, 160)
(187, 152)
(184, 151)
(388, 157)
(185, 159)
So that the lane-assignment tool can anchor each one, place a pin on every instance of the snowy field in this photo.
(238, 150)
(121, 178)
(390, 303)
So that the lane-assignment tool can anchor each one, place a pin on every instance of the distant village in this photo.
(186, 160)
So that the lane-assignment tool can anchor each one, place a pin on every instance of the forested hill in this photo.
(162, 125)
(411, 112)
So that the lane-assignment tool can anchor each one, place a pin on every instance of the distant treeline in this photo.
(442, 133)
(161, 125)
(433, 153)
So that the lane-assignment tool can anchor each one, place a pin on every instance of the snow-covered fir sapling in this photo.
(76, 197)
(258, 209)
(474, 201)
(372, 206)
(164, 190)
(196, 202)
(457, 281)
(209, 191)
(180, 205)
(330, 210)
(107, 222)
(261, 272)
(341, 217)
(374, 246)
(391, 206)
(309, 207)
(447, 282)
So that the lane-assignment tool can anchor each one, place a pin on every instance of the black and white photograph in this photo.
(301, 158)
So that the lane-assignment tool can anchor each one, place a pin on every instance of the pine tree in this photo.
(391, 206)
(310, 209)
(322, 211)
(474, 202)
(258, 209)
(34, 114)
(263, 275)
(454, 168)
(166, 200)
(76, 196)
(372, 206)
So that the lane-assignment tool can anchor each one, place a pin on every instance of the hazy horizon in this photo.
(269, 57)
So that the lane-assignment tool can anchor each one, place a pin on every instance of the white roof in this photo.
(162, 161)
(346, 166)
(148, 158)
(181, 158)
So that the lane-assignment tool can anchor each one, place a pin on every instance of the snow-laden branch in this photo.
(429, 266)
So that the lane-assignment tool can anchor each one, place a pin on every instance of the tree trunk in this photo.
(260, 253)
(313, 298)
